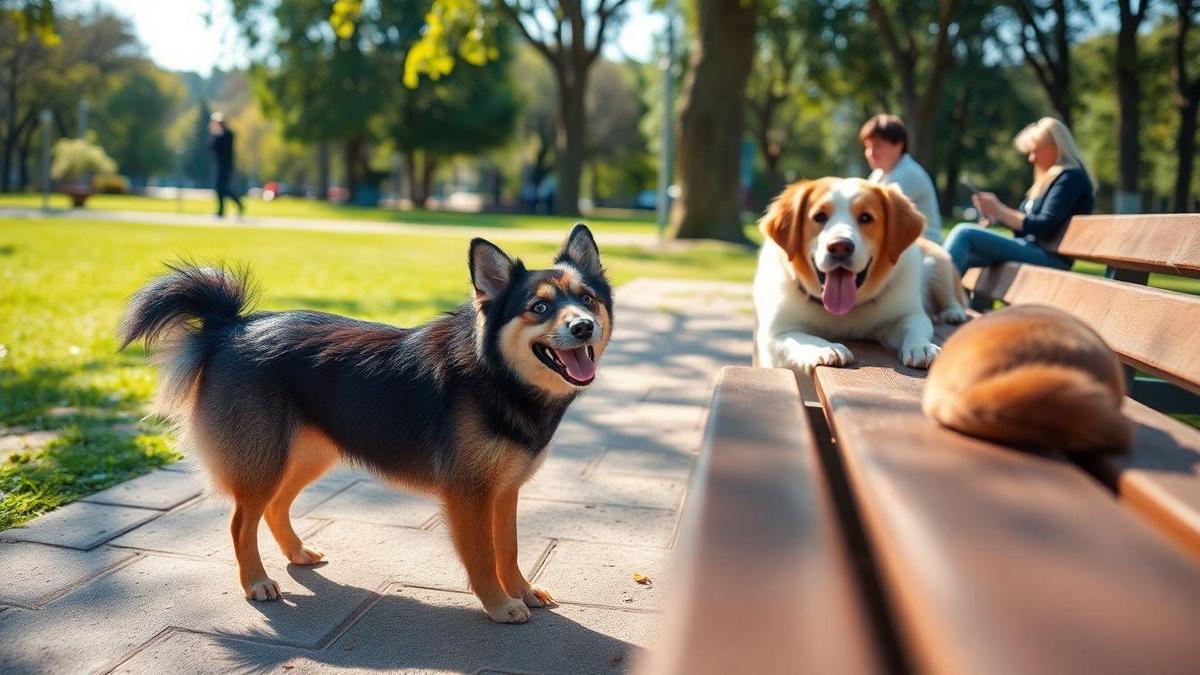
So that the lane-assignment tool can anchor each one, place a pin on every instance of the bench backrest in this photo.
(1154, 330)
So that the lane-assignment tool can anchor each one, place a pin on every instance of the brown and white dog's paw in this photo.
(306, 556)
(807, 358)
(509, 610)
(537, 597)
(920, 355)
(263, 589)
(953, 315)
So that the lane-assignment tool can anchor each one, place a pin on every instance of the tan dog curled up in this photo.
(1030, 376)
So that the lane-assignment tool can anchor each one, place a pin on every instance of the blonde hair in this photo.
(1052, 130)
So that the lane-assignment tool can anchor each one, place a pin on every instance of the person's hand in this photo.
(988, 204)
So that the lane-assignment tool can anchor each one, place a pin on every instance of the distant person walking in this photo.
(220, 140)
(885, 145)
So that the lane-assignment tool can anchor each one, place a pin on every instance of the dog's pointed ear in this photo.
(905, 223)
(491, 269)
(581, 251)
(783, 222)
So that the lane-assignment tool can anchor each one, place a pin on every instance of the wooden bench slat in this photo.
(999, 561)
(765, 583)
(1160, 477)
(1151, 329)
(1169, 244)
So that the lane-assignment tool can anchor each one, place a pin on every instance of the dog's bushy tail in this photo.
(1044, 406)
(173, 313)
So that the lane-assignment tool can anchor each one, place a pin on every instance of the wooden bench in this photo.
(964, 556)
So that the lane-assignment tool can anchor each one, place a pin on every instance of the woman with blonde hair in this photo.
(1062, 187)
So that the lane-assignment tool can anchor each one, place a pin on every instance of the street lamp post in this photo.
(666, 155)
(46, 117)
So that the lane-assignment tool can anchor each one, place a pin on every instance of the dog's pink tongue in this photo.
(838, 295)
(579, 366)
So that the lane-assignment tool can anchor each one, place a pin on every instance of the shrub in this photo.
(77, 158)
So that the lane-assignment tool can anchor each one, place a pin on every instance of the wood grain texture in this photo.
(1168, 243)
(999, 561)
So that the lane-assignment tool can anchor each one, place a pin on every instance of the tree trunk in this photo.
(430, 165)
(1185, 145)
(323, 171)
(712, 122)
(416, 192)
(570, 140)
(1128, 122)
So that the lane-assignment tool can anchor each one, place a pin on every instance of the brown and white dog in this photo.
(843, 259)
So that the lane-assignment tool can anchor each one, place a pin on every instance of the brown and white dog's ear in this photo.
(783, 222)
(905, 223)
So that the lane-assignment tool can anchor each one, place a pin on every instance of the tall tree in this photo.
(560, 31)
(712, 122)
(132, 117)
(773, 83)
(1187, 100)
(921, 64)
(1045, 42)
(1132, 13)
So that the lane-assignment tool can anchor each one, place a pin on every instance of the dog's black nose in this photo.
(840, 248)
(581, 328)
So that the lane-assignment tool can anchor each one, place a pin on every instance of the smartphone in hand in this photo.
(970, 186)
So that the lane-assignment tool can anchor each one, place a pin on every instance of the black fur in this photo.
(392, 399)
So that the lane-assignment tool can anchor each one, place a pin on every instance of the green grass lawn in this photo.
(64, 283)
(295, 207)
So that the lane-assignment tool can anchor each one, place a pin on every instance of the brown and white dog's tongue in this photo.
(839, 291)
(579, 366)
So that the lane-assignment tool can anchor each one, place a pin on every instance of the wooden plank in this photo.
(1169, 244)
(1151, 329)
(999, 561)
(765, 583)
(1160, 478)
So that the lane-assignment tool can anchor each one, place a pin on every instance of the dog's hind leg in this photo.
(247, 512)
(469, 512)
(311, 454)
(504, 534)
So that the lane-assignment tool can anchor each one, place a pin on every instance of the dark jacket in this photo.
(222, 147)
(1070, 194)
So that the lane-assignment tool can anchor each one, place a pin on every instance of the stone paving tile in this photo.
(602, 574)
(202, 529)
(607, 488)
(106, 619)
(185, 465)
(373, 502)
(156, 490)
(34, 573)
(80, 525)
(599, 523)
(415, 557)
(673, 464)
(416, 630)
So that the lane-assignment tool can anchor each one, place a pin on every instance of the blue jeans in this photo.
(972, 246)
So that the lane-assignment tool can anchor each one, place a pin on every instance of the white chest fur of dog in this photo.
(842, 260)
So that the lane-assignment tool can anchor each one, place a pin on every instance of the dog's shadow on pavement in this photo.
(405, 627)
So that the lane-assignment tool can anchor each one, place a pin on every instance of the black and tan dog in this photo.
(462, 407)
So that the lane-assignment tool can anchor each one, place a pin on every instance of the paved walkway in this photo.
(140, 578)
(319, 225)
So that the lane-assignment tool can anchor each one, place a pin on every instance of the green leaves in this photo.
(452, 27)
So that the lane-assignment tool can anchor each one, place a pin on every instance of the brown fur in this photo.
(1030, 376)
(895, 225)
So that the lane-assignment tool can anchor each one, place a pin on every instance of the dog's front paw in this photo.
(509, 610)
(537, 597)
(920, 355)
(306, 556)
(807, 358)
(953, 315)
(263, 589)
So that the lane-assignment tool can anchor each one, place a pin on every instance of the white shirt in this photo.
(917, 186)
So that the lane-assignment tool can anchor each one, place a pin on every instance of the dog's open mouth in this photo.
(577, 366)
(839, 288)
